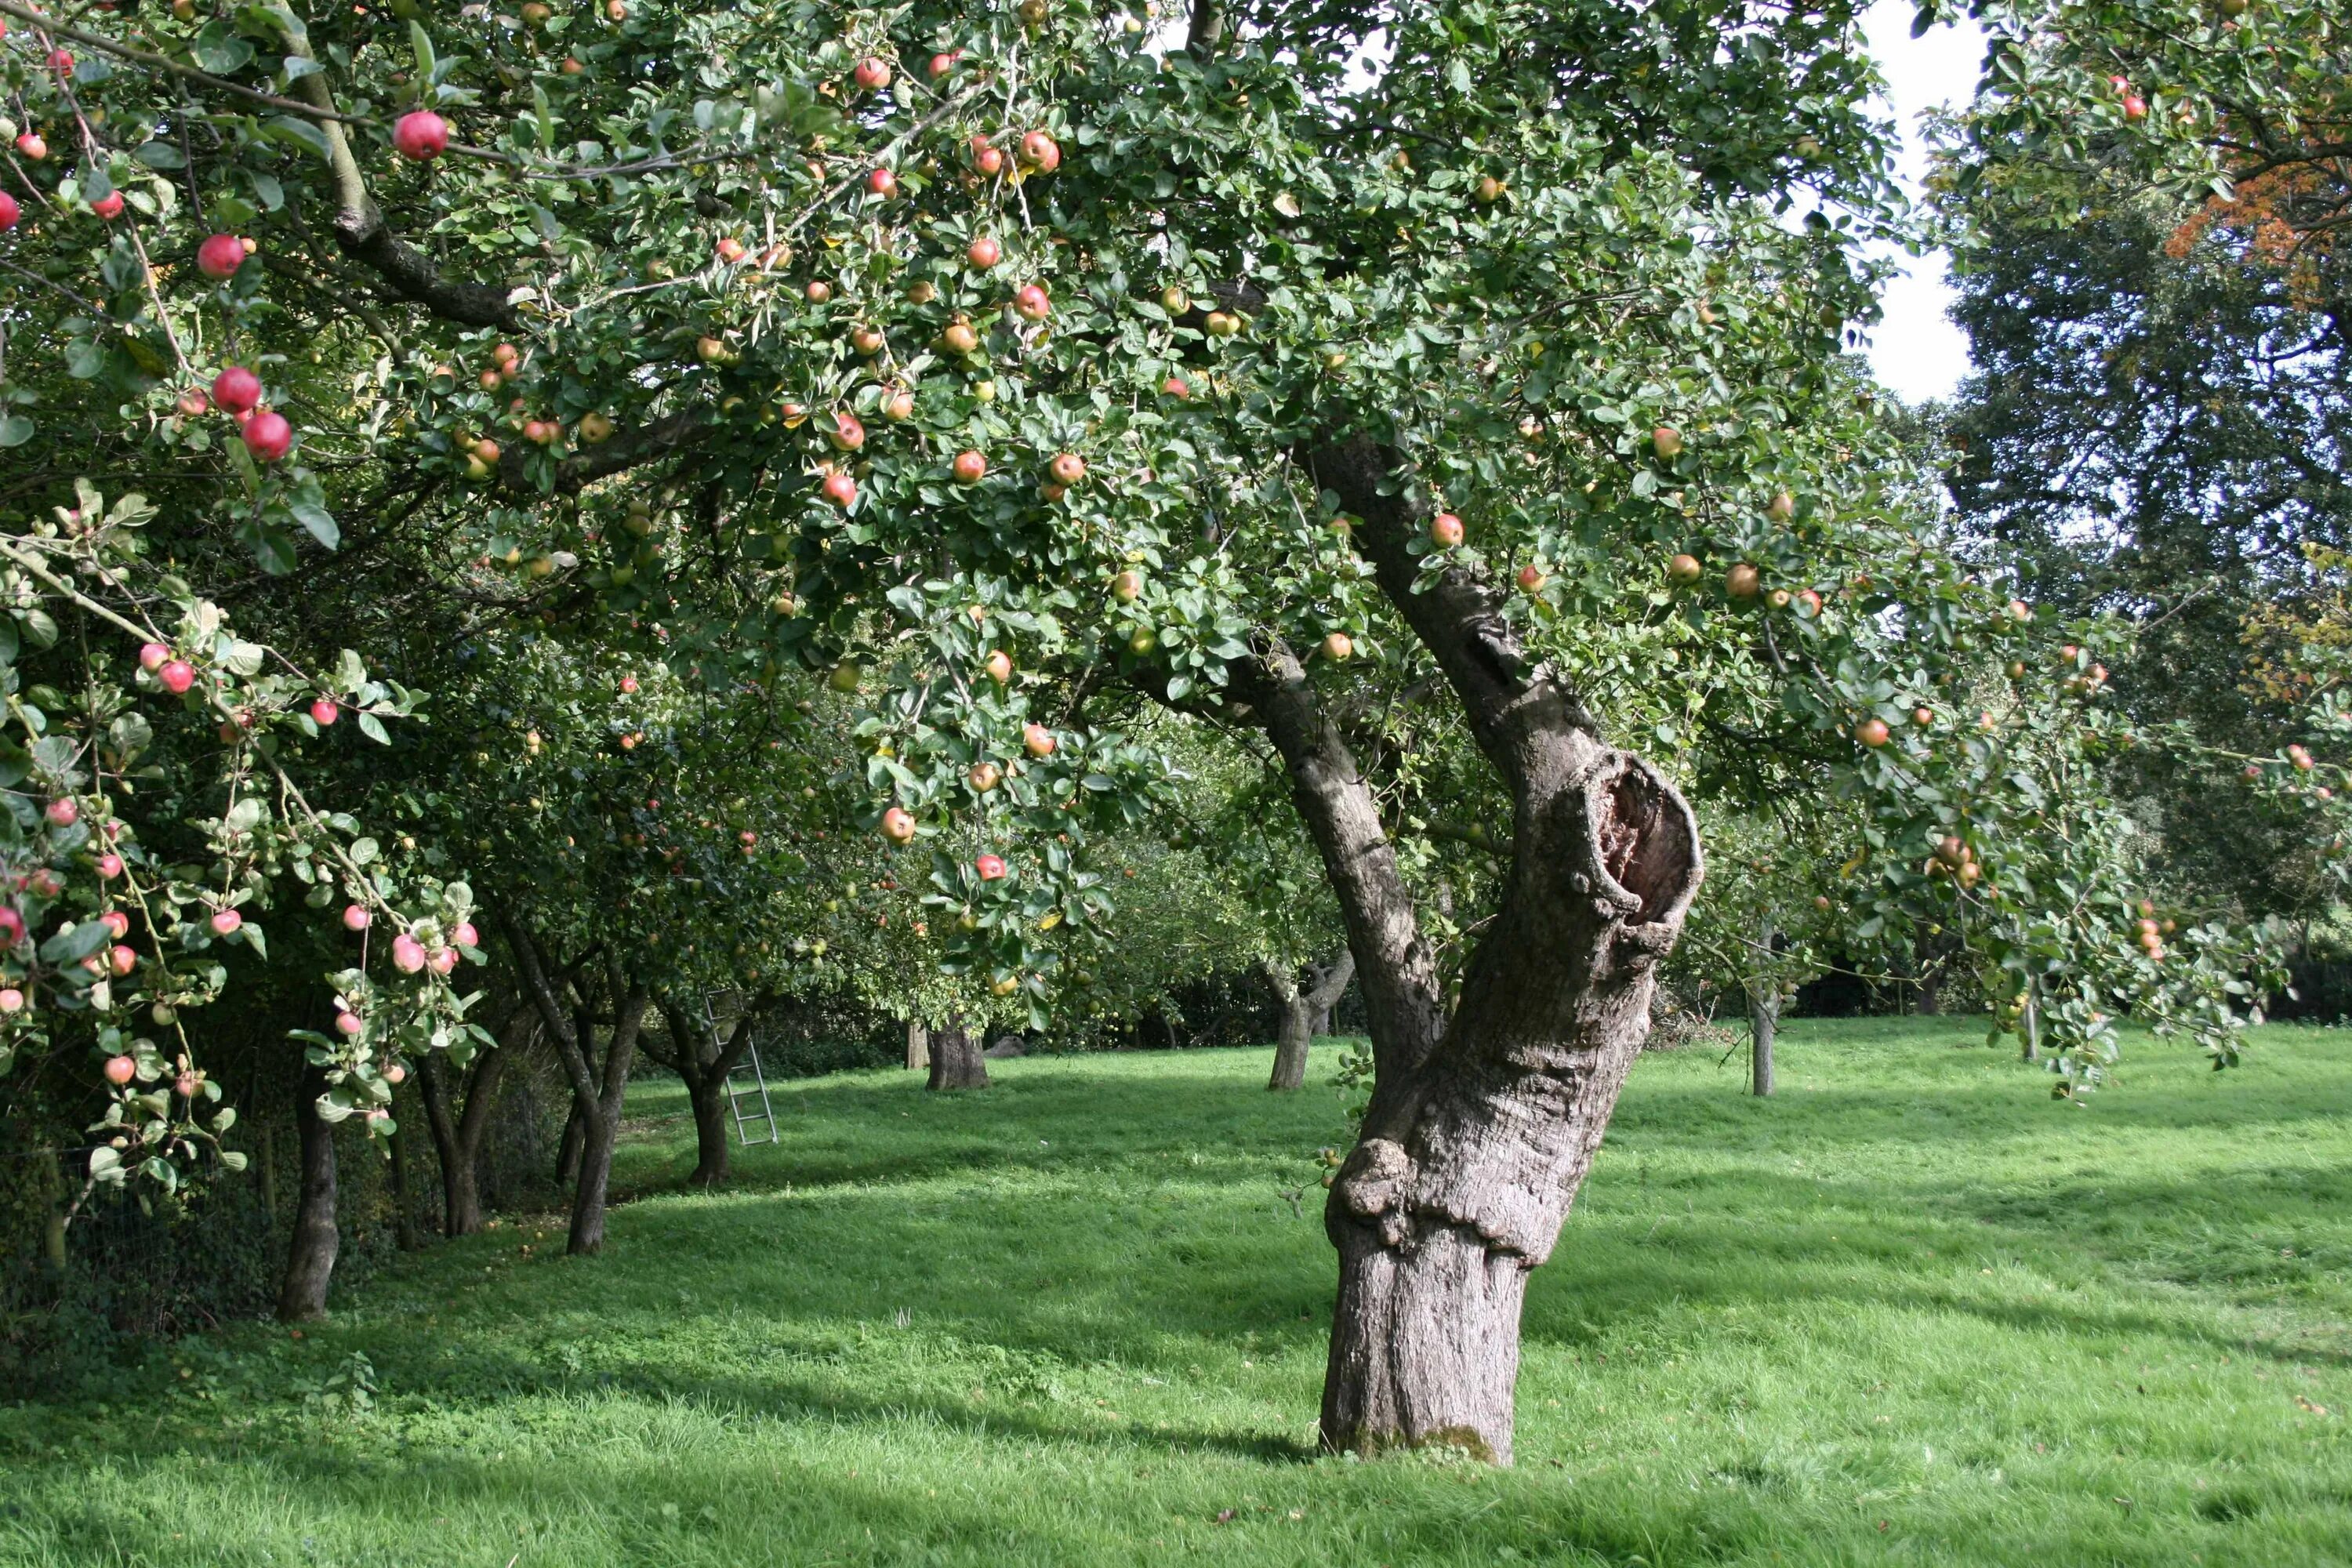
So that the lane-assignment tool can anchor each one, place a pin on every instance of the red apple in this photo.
(1742, 581)
(120, 1070)
(984, 776)
(108, 207)
(1037, 741)
(1446, 530)
(2135, 107)
(990, 867)
(225, 921)
(237, 390)
(1040, 151)
(1127, 588)
(970, 468)
(348, 1024)
(117, 924)
(989, 160)
(444, 959)
(152, 656)
(999, 667)
(407, 954)
(818, 291)
(32, 144)
(1339, 646)
(1174, 386)
(1531, 578)
(984, 253)
(1067, 468)
(123, 959)
(959, 338)
(1029, 301)
(729, 249)
(61, 62)
(466, 935)
(846, 434)
(1811, 600)
(898, 826)
(841, 489)
(872, 72)
(1667, 442)
(943, 64)
(1873, 732)
(268, 438)
(355, 917)
(220, 255)
(1781, 507)
(63, 812)
(628, 683)
(177, 675)
(882, 183)
(421, 135)
(898, 404)
(109, 866)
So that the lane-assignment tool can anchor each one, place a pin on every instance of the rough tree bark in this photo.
(597, 1094)
(919, 1048)
(1480, 1126)
(1303, 1007)
(311, 1254)
(956, 1061)
(458, 1130)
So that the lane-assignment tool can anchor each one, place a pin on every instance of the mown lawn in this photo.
(1909, 1310)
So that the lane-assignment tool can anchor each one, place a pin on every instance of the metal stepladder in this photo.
(746, 1099)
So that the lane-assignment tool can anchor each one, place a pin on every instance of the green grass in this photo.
(1909, 1310)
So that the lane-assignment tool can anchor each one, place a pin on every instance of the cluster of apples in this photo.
(237, 392)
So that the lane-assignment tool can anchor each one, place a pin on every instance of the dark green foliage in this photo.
(2161, 438)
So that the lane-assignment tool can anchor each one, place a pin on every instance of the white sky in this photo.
(1916, 350)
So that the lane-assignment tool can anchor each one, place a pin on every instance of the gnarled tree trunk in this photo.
(458, 1129)
(1481, 1125)
(956, 1061)
(311, 1254)
(1302, 1007)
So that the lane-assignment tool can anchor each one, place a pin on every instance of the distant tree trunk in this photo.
(458, 1130)
(568, 1148)
(956, 1061)
(1928, 989)
(403, 1219)
(1301, 1006)
(311, 1254)
(1763, 1024)
(596, 1097)
(919, 1047)
(2029, 1020)
(706, 1061)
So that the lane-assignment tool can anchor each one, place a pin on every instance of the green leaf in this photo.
(220, 51)
(75, 942)
(422, 46)
(373, 728)
(300, 133)
(15, 430)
